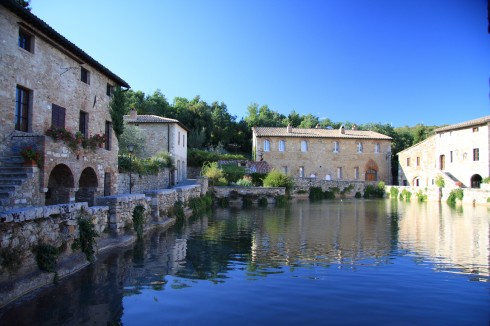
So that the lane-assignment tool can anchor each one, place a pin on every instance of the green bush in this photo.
(46, 257)
(377, 191)
(440, 181)
(138, 220)
(486, 180)
(453, 195)
(86, 240)
(245, 182)
(144, 166)
(233, 172)
(358, 194)
(258, 178)
(215, 175)
(281, 201)
(329, 194)
(199, 205)
(405, 195)
(421, 197)
(394, 193)
(316, 193)
(276, 178)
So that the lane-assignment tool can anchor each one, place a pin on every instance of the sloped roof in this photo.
(149, 118)
(53, 35)
(317, 133)
(466, 124)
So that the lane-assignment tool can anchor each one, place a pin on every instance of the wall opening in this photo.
(87, 187)
(59, 184)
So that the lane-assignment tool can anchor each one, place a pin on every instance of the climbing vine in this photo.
(86, 240)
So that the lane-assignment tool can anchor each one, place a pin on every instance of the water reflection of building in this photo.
(338, 233)
(455, 238)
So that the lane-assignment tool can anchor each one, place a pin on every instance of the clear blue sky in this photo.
(388, 61)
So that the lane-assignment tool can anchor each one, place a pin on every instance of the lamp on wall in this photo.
(130, 150)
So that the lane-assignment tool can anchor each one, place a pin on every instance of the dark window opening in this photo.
(22, 103)
(58, 116)
(25, 40)
(83, 123)
(476, 154)
(109, 90)
(85, 75)
(108, 135)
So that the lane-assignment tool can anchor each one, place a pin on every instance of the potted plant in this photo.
(31, 156)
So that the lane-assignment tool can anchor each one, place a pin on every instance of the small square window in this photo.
(25, 41)
(408, 161)
(418, 161)
(85, 75)
(475, 129)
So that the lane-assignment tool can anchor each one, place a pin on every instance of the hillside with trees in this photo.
(213, 129)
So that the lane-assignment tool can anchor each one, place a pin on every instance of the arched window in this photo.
(267, 145)
(282, 145)
(304, 146)
(359, 147)
(376, 148)
(336, 147)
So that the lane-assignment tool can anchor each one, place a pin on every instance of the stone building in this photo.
(48, 83)
(163, 134)
(325, 153)
(460, 153)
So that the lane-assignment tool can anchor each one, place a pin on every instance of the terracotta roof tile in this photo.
(149, 118)
(317, 133)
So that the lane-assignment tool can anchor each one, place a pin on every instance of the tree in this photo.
(308, 121)
(118, 108)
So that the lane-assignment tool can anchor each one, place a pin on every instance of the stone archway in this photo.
(371, 171)
(87, 187)
(59, 184)
(416, 182)
(476, 181)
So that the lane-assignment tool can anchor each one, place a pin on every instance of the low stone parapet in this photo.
(238, 194)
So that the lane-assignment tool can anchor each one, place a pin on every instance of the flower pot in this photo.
(30, 163)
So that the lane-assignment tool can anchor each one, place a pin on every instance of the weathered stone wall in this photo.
(236, 195)
(53, 77)
(322, 161)
(143, 183)
(22, 230)
(470, 195)
(303, 185)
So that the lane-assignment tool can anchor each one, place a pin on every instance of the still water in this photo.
(350, 262)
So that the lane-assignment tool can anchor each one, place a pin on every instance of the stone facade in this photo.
(236, 195)
(325, 154)
(143, 183)
(459, 153)
(46, 81)
(163, 134)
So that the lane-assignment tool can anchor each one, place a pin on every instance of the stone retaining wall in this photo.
(142, 183)
(236, 195)
(470, 195)
(22, 230)
(303, 185)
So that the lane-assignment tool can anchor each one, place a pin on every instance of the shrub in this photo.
(394, 193)
(276, 178)
(486, 180)
(86, 240)
(405, 195)
(358, 194)
(440, 181)
(245, 182)
(46, 257)
(377, 191)
(144, 166)
(316, 193)
(421, 197)
(138, 220)
(258, 178)
(281, 201)
(233, 172)
(329, 194)
(214, 174)
(200, 204)
(198, 157)
(453, 195)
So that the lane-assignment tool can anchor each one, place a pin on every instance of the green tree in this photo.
(132, 136)
(308, 121)
(25, 3)
(118, 108)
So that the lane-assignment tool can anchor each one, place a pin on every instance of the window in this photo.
(107, 184)
(475, 129)
(418, 161)
(359, 147)
(108, 135)
(336, 147)
(178, 138)
(304, 146)
(85, 76)
(451, 156)
(284, 170)
(58, 116)
(301, 171)
(282, 146)
(267, 145)
(26, 41)
(356, 173)
(377, 148)
(183, 140)
(109, 90)
(476, 154)
(339, 173)
(408, 161)
(83, 123)
(22, 107)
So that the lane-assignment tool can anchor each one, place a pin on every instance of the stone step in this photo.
(7, 188)
(4, 181)
(14, 175)
(4, 195)
(14, 169)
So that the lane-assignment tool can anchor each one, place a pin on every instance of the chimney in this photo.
(354, 127)
(318, 126)
(133, 114)
(342, 129)
(289, 129)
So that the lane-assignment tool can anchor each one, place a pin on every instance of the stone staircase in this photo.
(12, 175)
(451, 177)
